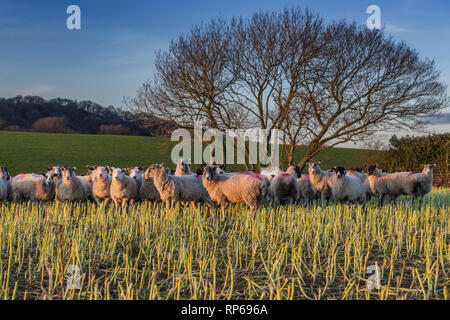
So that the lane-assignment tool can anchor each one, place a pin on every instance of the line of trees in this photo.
(320, 84)
(410, 153)
(33, 113)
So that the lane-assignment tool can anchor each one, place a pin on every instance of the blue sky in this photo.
(113, 53)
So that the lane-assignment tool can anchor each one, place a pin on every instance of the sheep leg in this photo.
(224, 206)
(380, 200)
(97, 200)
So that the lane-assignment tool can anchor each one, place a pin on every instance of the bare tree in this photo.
(321, 85)
(363, 82)
(191, 80)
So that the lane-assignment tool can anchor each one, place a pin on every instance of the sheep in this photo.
(101, 184)
(242, 188)
(87, 181)
(425, 182)
(70, 187)
(305, 188)
(322, 181)
(393, 184)
(173, 188)
(148, 191)
(182, 169)
(364, 178)
(137, 174)
(284, 186)
(4, 183)
(123, 188)
(33, 187)
(347, 187)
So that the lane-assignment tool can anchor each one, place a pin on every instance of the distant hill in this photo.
(33, 113)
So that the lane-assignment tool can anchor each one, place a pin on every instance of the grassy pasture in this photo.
(290, 252)
(33, 152)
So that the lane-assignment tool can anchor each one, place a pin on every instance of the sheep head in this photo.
(339, 171)
(68, 173)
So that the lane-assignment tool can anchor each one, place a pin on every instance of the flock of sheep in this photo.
(213, 185)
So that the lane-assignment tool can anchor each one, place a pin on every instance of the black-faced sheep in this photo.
(347, 187)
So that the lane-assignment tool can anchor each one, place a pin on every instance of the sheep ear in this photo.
(74, 168)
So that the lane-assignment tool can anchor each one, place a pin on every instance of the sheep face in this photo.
(136, 172)
(56, 170)
(372, 170)
(183, 166)
(49, 178)
(428, 168)
(314, 168)
(340, 172)
(295, 171)
(118, 174)
(100, 172)
(4, 174)
(68, 173)
(152, 171)
(210, 172)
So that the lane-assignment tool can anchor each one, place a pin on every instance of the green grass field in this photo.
(33, 152)
(291, 252)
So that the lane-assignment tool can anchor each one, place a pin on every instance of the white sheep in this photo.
(241, 188)
(321, 180)
(4, 183)
(86, 181)
(70, 187)
(101, 184)
(177, 189)
(123, 188)
(137, 174)
(33, 187)
(347, 187)
(393, 184)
